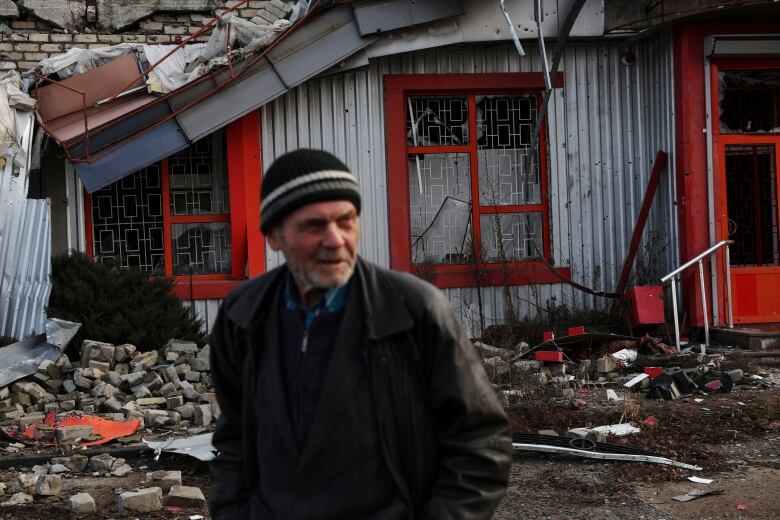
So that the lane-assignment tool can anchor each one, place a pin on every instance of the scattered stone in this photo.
(122, 470)
(48, 485)
(142, 501)
(27, 481)
(82, 503)
(17, 499)
(58, 468)
(496, 367)
(185, 496)
(104, 463)
(527, 364)
(489, 351)
(144, 359)
(200, 364)
(67, 434)
(203, 415)
(151, 401)
(164, 479)
(606, 364)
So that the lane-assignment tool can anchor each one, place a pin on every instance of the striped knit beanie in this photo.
(303, 177)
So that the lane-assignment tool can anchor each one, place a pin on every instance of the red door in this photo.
(746, 134)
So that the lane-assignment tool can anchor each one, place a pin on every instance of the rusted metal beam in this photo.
(644, 212)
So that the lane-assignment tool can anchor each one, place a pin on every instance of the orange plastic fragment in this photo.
(106, 428)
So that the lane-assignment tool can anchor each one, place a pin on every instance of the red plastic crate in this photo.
(654, 371)
(548, 336)
(545, 355)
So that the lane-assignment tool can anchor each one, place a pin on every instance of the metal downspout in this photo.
(710, 183)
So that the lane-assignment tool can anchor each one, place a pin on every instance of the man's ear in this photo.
(273, 239)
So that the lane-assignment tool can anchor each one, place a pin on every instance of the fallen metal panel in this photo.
(229, 104)
(57, 99)
(119, 127)
(317, 46)
(139, 152)
(375, 16)
(603, 456)
(198, 446)
(22, 358)
(723, 46)
(303, 54)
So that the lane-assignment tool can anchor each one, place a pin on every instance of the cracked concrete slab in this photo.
(8, 8)
(65, 14)
(118, 14)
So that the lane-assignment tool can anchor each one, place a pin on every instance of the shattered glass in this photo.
(511, 237)
(440, 203)
(504, 128)
(437, 121)
(748, 101)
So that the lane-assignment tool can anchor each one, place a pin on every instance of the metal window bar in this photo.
(674, 276)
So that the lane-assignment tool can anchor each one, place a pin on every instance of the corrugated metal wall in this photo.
(205, 310)
(25, 265)
(605, 128)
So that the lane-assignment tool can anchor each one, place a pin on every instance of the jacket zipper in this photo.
(305, 342)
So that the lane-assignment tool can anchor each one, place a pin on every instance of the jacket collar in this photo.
(384, 308)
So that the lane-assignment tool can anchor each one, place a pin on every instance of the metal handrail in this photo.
(672, 277)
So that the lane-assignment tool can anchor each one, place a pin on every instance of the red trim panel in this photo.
(396, 89)
(203, 290)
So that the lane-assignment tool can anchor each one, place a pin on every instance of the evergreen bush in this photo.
(118, 305)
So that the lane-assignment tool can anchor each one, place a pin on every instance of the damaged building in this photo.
(505, 152)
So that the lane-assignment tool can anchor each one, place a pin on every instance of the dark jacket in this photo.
(447, 446)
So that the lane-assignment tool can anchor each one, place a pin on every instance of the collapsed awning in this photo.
(110, 126)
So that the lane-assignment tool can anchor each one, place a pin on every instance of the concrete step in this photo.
(753, 337)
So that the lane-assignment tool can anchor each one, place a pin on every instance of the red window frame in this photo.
(248, 246)
(397, 88)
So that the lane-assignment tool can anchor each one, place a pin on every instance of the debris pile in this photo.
(166, 389)
(566, 369)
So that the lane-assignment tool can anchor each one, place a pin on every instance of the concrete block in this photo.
(144, 359)
(48, 485)
(71, 433)
(203, 415)
(185, 496)
(164, 479)
(200, 364)
(142, 501)
(82, 503)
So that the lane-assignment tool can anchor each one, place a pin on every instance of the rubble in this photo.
(185, 496)
(81, 503)
(168, 388)
(142, 501)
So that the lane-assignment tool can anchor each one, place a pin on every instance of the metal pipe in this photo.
(704, 308)
(695, 259)
(728, 287)
(544, 448)
(674, 313)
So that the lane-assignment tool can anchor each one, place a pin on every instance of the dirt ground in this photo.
(734, 437)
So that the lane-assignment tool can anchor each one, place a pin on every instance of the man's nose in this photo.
(333, 238)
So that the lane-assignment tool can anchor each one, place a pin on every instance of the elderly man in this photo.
(347, 390)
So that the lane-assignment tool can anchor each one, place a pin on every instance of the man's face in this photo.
(319, 242)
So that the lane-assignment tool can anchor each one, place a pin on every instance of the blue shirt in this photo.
(332, 301)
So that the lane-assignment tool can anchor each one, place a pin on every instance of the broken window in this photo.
(486, 190)
(752, 204)
(749, 101)
(184, 198)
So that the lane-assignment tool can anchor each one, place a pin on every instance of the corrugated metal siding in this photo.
(25, 265)
(604, 129)
(205, 310)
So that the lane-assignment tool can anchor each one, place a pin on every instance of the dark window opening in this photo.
(749, 101)
(752, 205)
